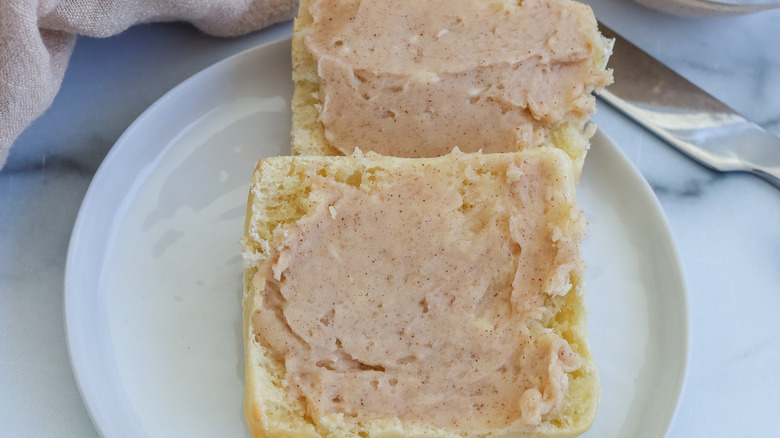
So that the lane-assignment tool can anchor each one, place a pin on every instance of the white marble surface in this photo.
(727, 227)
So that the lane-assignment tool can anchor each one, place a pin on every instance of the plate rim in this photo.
(89, 196)
(663, 222)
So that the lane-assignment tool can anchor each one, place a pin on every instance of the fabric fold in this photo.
(37, 38)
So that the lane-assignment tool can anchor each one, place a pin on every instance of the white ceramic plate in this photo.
(153, 281)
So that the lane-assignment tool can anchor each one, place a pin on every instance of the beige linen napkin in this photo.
(37, 39)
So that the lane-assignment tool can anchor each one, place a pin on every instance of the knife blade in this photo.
(686, 116)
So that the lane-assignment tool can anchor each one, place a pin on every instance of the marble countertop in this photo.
(726, 226)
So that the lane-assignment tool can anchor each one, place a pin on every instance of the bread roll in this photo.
(415, 79)
(436, 297)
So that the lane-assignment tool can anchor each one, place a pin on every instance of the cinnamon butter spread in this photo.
(416, 78)
(422, 292)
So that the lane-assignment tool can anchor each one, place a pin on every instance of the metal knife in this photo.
(686, 116)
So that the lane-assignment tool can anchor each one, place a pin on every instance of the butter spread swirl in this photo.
(416, 78)
(379, 308)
